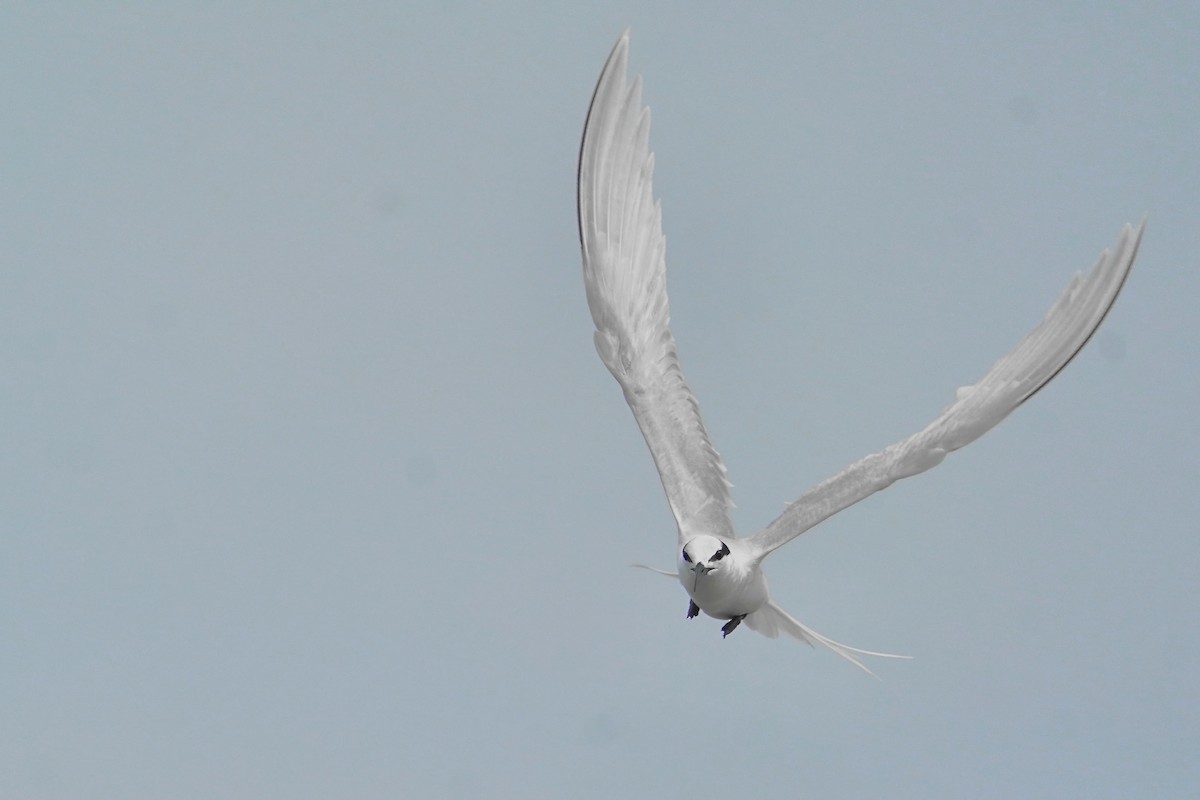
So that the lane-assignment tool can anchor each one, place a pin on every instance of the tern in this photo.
(624, 273)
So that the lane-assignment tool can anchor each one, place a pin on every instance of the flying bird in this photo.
(624, 273)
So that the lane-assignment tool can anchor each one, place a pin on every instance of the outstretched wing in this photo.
(624, 271)
(1011, 381)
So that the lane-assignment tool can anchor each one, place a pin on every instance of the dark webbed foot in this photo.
(693, 609)
(731, 626)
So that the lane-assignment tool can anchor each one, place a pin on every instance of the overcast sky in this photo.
(312, 485)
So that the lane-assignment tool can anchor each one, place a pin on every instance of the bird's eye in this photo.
(724, 551)
(686, 557)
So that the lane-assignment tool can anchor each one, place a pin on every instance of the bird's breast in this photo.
(726, 593)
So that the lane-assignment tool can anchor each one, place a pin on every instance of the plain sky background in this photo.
(312, 485)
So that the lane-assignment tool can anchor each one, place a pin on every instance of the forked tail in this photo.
(770, 620)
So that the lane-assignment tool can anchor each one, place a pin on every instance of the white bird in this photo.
(624, 272)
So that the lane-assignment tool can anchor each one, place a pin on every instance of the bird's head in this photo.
(702, 555)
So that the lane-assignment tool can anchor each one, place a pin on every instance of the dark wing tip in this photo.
(618, 56)
(1123, 244)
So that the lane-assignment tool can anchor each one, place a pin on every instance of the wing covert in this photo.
(976, 409)
(624, 272)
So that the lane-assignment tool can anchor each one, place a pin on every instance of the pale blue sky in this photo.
(311, 484)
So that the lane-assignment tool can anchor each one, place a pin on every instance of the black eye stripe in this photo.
(724, 551)
(686, 557)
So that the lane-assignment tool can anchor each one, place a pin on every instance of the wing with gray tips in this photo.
(624, 272)
(1012, 380)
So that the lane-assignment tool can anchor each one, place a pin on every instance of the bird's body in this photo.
(624, 270)
(721, 578)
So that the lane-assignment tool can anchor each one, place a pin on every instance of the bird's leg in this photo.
(693, 609)
(730, 626)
